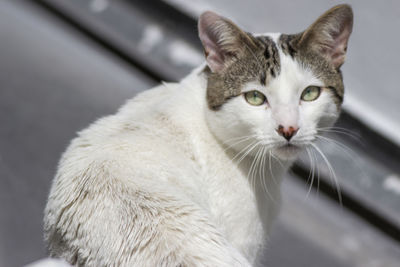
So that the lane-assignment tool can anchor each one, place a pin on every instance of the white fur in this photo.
(158, 185)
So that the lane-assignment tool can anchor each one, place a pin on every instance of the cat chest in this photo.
(233, 206)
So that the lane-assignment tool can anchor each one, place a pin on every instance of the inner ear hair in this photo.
(330, 33)
(222, 40)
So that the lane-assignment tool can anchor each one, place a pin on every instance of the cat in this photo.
(189, 173)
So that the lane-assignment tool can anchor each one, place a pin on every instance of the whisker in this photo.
(263, 176)
(338, 130)
(331, 171)
(263, 167)
(336, 142)
(227, 142)
(270, 167)
(238, 142)
(316, 167)
(311, 174)
(245, 151)
(250, 175)
(347, 150)
(277, 159)
(258, 164)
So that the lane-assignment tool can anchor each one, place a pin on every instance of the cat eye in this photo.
(311, 93)
(255, 98)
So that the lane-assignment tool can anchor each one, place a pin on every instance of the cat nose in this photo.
(287, 132)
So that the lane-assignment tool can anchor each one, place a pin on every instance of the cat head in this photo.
(274, 91)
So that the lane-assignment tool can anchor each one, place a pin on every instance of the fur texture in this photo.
(188, 174)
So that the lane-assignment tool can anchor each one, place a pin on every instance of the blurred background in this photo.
(65, 63)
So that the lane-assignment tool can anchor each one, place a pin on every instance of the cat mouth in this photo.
(287, 151)
(291, 147)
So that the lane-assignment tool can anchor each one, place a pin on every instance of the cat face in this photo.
(274, 92)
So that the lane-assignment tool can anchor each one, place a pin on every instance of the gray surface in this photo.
(373, 61)
(314, 231)
(154, 41)
(54, 82)
(359, 174)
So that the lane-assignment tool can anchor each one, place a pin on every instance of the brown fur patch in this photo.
(317, 63)
(259, 58)
(258, 62)
(322, 47)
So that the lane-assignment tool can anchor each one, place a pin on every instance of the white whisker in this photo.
(339, 130)
(246, 150)
(270, 167)
(331, 171)
(312, 171)
(250, 175)
(264, 182)
(241, 140)
(263, 176)
(347, 150)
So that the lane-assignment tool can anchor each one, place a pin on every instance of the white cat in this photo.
(188, 174)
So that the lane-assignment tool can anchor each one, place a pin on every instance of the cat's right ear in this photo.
(222, 40)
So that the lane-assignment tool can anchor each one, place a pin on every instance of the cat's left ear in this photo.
(330, 34)
(222, 40)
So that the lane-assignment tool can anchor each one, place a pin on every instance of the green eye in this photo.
(311, 93)
(255, 98)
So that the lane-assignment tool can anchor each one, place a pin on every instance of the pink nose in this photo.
(287, 132)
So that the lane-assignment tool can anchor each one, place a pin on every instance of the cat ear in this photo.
(222, 40)
(330, 33)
